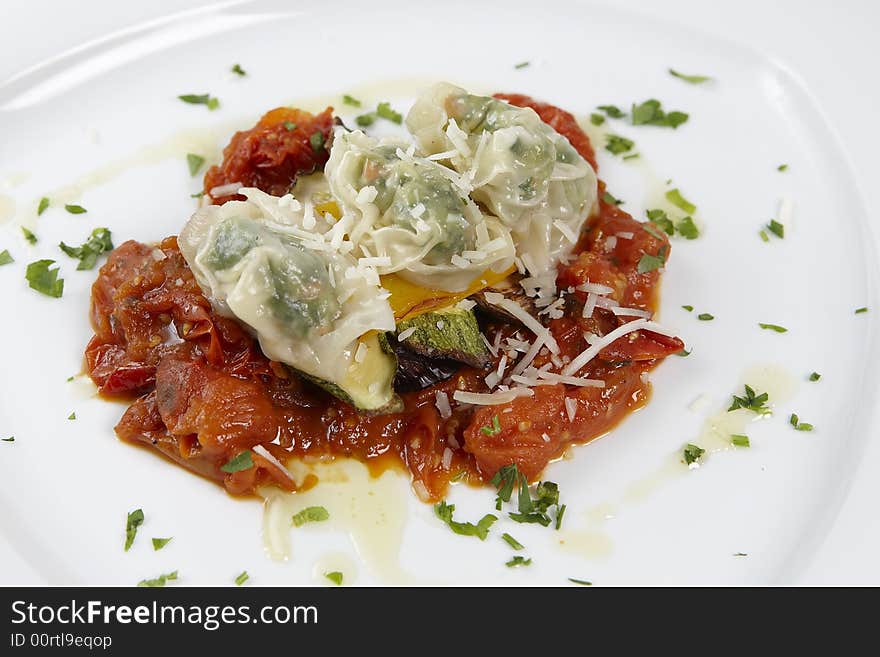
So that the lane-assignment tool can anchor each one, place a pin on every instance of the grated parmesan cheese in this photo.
(225, 190)
(441, 401)
(491, 399)
(566, 231)
(266, 454)
(595, 288)
(375, 261)
(571, 408)
(528, 321)
(589, 305)
(360, 353)
(630, 312)
(593, 350)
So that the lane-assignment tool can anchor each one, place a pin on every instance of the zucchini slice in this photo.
(368, 385)
(450, 332)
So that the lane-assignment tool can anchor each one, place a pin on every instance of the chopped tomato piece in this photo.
(285, 144)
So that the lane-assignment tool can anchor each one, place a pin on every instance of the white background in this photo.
(831, 46)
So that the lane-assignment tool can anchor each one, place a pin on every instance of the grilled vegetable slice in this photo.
(416, 372)
(451, 333)
(368, 385)
(511, 289)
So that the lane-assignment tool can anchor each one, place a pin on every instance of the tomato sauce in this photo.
(285, 143)
(202, 391)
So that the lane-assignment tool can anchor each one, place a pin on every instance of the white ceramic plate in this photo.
(102, 127)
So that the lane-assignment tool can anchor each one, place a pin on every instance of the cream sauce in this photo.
(7, 208)
(715, 437)
(372, 510)
(335, 562)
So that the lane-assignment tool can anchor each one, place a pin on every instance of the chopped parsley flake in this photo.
(159, 543)
(529, 510)
(764, 236)
(815, 376)
(134, 520)
(504, 480)
(776, 228)
(238, 70)
(290, 126)
(798, 425)
(522, 65)
(674, 196)
(317, 140)
(692, 79)
(631, 156)
(684, 353)
(29, 237)
(512, 542)
(751, 401)
(75, 209)
(597, 119)
(99, 242)
(384, 110)
(651, 113)
(687, 228)
(773, 327)
(365, 120)
(518, 561)
(650, 262)
(648, 228)
(689, 308)
(494, 429)
(197, 195)
(535, 511)
(194, 162)
(612, 111)
(72, 416)
(335, 577)
(43, 279)
(311, 514)
(860, 311)
(740, 440)
(658, 218)
(617, 144)
(782, 167)
(159, 581)
(43, 206)
(560, 511)
(693, 453)
(582, 582)
(351, 100)
(5, 258)
(239, 462)
(705, 317)
(201, 99)
(611, 200)
(11, 439)
(444, 511)
(242, 578)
